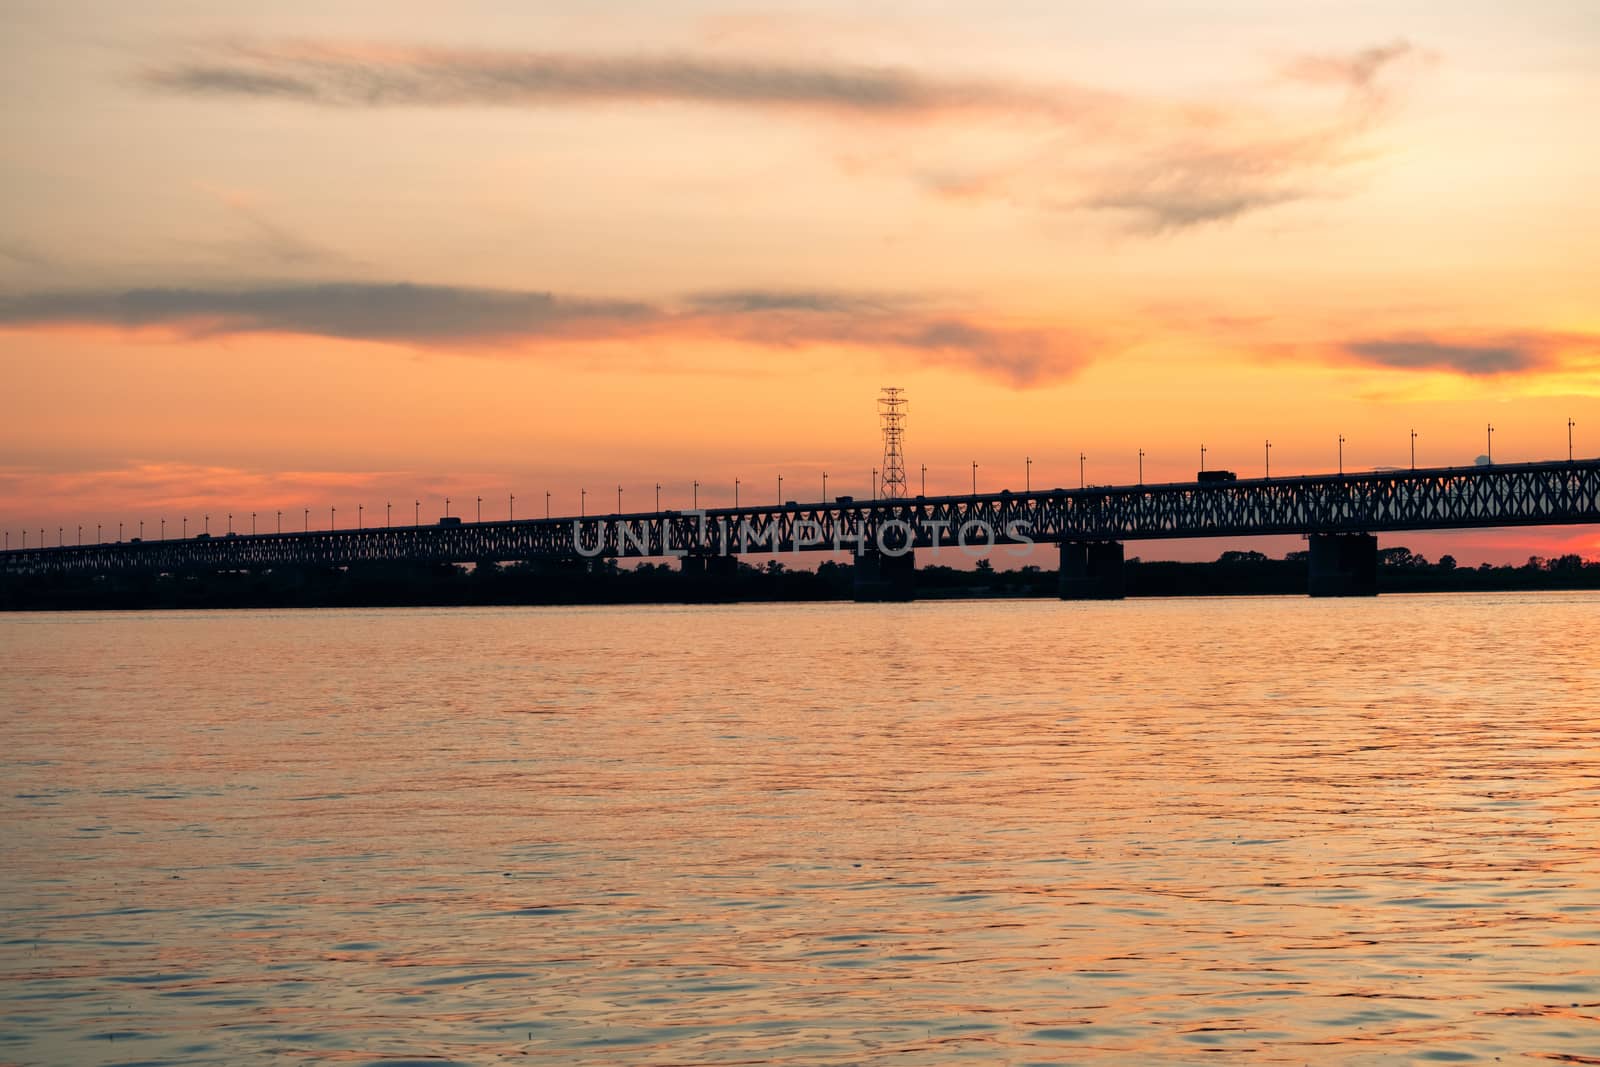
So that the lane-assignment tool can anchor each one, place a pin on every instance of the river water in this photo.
(1268, 830)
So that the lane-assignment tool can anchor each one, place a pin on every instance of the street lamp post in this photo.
(1570, 425)
(307, 518)
(924, 479)
(361, 514)
(480, 509)
(1202, 457)
(1269, 459)
(416, 512)
(1141, 466)
(547, 503)
(1027, 474)
(252, 524)
(697, 494)
(1082, 481)
(119, 535)
(736, 492)
(332, 511)
(447, 507)
(874, 483)
(780, 490)
(824, 487)
(1491, 444)
(80, 535)
(1341, 453)
(141, 529)
(619, 500)
(658, 498)
(974, 477)
(280, 520)
(583, 502)
(388, 513)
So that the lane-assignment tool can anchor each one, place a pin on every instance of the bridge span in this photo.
(1339, 513)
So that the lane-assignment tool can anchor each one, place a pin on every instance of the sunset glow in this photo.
(306, 257)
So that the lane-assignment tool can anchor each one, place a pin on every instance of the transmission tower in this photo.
(892, 414)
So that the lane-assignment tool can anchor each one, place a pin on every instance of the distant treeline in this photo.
(579, 582)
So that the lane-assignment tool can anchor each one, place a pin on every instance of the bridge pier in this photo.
(885, 576)
(1092, 570)
(708, 567)
(1344, 565)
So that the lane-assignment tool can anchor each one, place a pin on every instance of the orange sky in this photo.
(311, 258)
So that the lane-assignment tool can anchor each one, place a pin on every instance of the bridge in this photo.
(1339, 513)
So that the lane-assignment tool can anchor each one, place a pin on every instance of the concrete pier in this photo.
(1092, 570)
(885, 576)
(1344, 565)
(708, 566)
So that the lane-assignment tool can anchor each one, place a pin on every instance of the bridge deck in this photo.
(1527, 494)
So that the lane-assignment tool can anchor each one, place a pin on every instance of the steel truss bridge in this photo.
(1526, 494)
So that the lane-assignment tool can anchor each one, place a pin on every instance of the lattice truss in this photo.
(1535, 494)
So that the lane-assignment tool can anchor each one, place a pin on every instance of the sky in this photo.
(315, 258)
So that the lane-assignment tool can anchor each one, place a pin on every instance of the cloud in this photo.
(1359, 70)
(431, 316)
(1021, 356)
(369, 77)
(419, 314)
(1158, 164)
(1424, 353)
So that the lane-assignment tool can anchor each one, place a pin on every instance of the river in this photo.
(1274, 830)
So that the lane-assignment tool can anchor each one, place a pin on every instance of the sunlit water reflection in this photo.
(1275, 830)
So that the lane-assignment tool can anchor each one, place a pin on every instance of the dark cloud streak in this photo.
(1422, 353)
(473, 318)
(371, 78)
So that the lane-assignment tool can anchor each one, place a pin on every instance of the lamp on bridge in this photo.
(974, 477)
(736, 492)
(1490, 452)
(1027, 474)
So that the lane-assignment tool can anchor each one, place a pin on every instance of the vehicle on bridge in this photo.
(1216, 476)
(450, 520)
